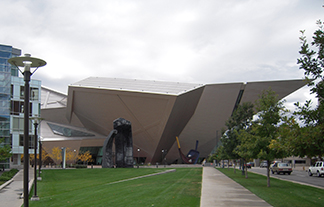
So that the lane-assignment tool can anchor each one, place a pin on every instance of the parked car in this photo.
(317, 169)
(250, 164)
(247, 165)
(279, 167)
(264, 164)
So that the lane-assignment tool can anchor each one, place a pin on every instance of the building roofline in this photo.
(54, 91)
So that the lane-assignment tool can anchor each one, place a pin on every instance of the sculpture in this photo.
(192, 156)
(122, 133)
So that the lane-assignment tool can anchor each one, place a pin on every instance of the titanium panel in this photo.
(282, 88)
(215, 106)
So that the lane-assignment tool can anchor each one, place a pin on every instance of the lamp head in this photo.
(36, 119)
(27, 61)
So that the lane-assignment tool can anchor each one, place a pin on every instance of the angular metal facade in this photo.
(158, 111)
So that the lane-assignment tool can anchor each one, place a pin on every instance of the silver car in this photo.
(281, 168)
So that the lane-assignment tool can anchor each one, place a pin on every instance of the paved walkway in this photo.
(219, 190)
(10, 193)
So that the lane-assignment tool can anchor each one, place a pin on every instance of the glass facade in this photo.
(96, 153)
(5, 87)
(12, 106)
(68, 132)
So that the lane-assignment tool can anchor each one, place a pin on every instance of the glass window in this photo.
(5, 54)
(283, 165)
(18, 124)
(30, 109)
(34, 94)
(22, 92)
(14, 72)
(5, 48)
(4, 126)
(11, 90)
(21, 107)
(21, 140)
(30, 142)
(3, 61)
(68, 132)
(15, 107)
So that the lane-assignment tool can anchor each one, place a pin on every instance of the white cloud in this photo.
(186, 40)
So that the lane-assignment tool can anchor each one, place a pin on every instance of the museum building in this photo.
(158, 111)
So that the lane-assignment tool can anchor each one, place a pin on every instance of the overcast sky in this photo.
(195, 41)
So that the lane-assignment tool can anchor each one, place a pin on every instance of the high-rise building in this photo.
(12, 105)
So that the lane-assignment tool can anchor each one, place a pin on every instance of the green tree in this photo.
(240, 119)
(221, 154)
(246, 149)
(257, 141)
(312, 128)
(5, 150)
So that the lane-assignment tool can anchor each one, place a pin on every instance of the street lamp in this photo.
(40, 159)
(27, 62)
(37, 121)
(138, 150)
(164, 152)
(162, 157)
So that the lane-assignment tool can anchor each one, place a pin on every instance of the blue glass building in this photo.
(6, 52)
(11, 106)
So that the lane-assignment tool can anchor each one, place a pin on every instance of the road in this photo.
(295, 176)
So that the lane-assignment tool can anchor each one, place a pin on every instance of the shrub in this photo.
(9, 174)
(4, 178)
(81, 166)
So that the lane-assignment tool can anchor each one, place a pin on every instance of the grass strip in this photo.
(90, 187)
(280, 193)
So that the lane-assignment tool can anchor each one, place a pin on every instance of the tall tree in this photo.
(240, 119)
(312, 62)
(264, 130)
(246, 149)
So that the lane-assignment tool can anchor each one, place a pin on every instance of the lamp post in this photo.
(164, 152)
(40, 159)
(162, 156)
(27, 62)
(36, 123)
(138, 150)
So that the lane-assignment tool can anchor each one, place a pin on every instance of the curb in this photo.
(5, 184)
(291, 181)
(30, 184)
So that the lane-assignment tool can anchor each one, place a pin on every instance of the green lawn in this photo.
(95, 187)
(281, 193)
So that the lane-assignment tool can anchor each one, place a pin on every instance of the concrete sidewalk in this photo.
(11, 192)
(219, 190)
